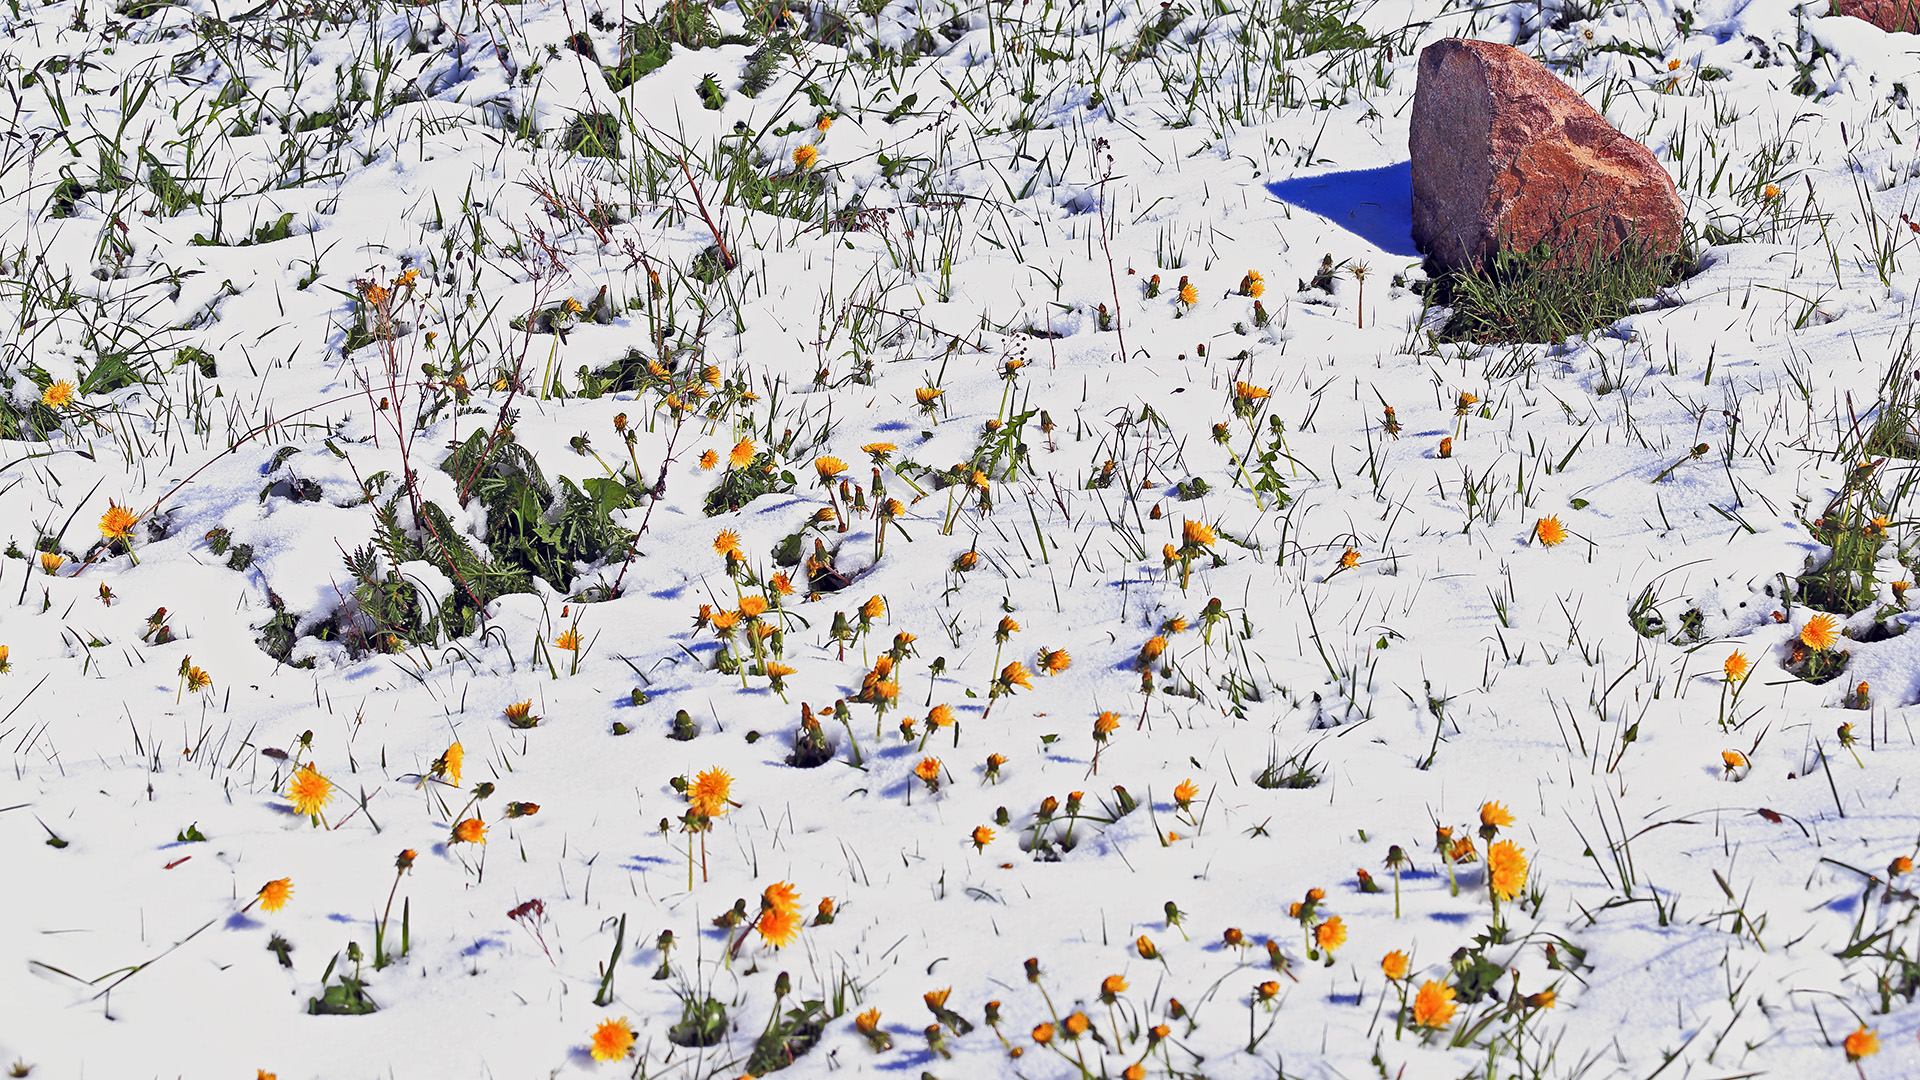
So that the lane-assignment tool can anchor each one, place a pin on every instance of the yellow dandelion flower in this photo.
(1196, 534)
(1736, 667)
(1152, 649)
(727, 544)
(828, 467)
(273, 895)
(709, 793)
(309, 791)
(1054, 661)
(1189, 295)
(1394, 965)
(612, 1040)
(982, 836)
(805, 156)
(569, 641)
(118, 522)
(1506, 869)
(58, 396)
(778, 927)
(1433, 1005)
(1331, 934)
(470, 831)
(709, 459)
(1549, 531)
(1016, 674)
(928, 769)
(1861, 1044)
(1493, 815)
(741, 454)
(449, 764)
(1184, 792)
(1820, 633)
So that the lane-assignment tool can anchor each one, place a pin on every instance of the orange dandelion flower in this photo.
(1549, 531)
(1043, 1034)
(941, 716)
(982, 836)
(569, 641)
(1152, 649)
(805, 156)
(1394, 965)
(1016, 674)
(1054, 661)
(449, 764)
(928, 769)
(1736, 667)
(58, 396)
(1820, 633)
(708, 794)
(1433, 1005)
(783, 584)
(520, 714)
(709, 459)
(1901, 864)
(1105, 724)
(1268, 990)
(781, 895)
(727, 544)
(1248, 392)
(1545, 999)
(1494, 815)
(273, 895)
(874, 608)
(1196, 534)
(470, 831)
(1862, 1044)
(309, 791)
(612, 1040)
(753, 607)
(1349, 559)
(1077, 1024)
(778, 928)
(867, 1022)
(741, 454)
(1189, 295)
(1733, 759)
(1112, 985)
(1506, 869)
(1184, 793)
(1331, 934)
(1146, 948)
(118, 522)
(51, 561)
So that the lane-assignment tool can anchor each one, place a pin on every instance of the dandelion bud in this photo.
(1033, 975)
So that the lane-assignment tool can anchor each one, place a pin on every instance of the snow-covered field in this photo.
(448, 444)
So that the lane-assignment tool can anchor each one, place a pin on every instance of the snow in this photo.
(1705, 919)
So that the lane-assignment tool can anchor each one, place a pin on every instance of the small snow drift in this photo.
(1505, 155)
(1374, 204)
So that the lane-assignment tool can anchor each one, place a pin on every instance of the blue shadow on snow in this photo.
(1374, 204)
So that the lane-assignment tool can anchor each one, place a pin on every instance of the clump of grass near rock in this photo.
(1526, 296)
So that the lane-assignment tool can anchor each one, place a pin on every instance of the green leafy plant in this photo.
(1527, 296)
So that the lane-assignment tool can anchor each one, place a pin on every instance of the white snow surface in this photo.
(1704, 920)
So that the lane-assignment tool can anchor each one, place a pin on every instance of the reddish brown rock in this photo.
(1893, 16)
(1506, 156)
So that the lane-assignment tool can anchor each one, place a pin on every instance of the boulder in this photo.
(1893, 16)
(1506, 156)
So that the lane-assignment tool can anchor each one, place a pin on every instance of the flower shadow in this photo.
(1374, 204)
